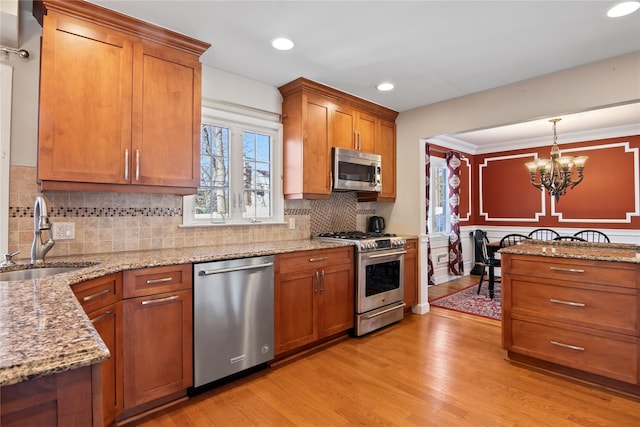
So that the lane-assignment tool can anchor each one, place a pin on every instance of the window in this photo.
(439, 215)
(239, 171)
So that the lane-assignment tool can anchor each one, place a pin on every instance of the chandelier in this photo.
(555, 174)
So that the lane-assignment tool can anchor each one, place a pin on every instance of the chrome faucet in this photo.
(40, 223)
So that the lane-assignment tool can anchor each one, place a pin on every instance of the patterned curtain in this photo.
(456, 266)
(427, 172)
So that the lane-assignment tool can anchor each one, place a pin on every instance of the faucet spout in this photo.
(41, 223)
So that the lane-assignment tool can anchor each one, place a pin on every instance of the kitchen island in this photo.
(46, 331)
(573, 308)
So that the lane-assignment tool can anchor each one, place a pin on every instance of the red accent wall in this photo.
(606, 198)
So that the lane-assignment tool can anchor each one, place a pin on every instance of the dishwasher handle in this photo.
(231, 269)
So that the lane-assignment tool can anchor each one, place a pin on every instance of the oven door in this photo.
(380, 279)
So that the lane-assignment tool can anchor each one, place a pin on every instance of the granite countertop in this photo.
(615, 252)
(43, 328)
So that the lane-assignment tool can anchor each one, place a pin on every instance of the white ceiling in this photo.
(431, 50)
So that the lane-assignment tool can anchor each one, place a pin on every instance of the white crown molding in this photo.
(450, 141)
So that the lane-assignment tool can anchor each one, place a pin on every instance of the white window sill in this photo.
(229, 224)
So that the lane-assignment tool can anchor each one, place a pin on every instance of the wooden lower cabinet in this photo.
(63, 399)
(108, 323)
(101, 298)
(157, 336)
(577, 317)
(158, 346)
(144, 318)
(411, 274)
(314, 296)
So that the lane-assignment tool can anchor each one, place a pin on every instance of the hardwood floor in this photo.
(442, 369)
(451, 286)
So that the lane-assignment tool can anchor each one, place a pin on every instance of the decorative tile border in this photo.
(85, 212)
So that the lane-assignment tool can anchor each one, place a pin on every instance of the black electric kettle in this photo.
(376, 224)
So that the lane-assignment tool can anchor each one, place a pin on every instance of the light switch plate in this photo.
(64, 230)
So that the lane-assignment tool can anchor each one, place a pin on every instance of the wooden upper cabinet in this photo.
(85, 102)
(387, 149)
(119, 102)
(166, 101)
(307, 159)
(317, 118)
(352, 129)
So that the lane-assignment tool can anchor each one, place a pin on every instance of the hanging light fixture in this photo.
(555, 174)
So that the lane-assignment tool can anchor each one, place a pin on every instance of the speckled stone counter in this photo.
(616, 252)
(43, 328)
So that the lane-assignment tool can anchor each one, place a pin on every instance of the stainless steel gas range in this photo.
(379, 277)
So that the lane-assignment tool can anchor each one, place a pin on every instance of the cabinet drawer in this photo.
(97, 293)
(603, 307)
(314, 259)
(609, 273)
(155, 280)
(598, 353)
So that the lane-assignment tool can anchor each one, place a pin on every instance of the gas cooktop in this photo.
(355, 235)
(365, 241)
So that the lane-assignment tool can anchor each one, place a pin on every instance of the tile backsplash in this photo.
(114, 222)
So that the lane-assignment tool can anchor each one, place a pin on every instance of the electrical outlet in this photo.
(292, 223)
(64, 230)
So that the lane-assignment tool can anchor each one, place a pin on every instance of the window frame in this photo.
(435, 164)
(239, 119)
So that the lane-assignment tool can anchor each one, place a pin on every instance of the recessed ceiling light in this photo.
(282, 44)
(384, 87)
(623, 9)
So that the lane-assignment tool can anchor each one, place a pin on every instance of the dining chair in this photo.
(593, 236)
(543, 234)
(512, 239)
(570, 238)
(486, 261)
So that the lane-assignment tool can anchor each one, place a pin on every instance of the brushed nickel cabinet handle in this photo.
(569, 346)
(137, 165)
(567, 270)
(126, 164)
(316, 285)
(322, 274)
(324, 258)
(573, 304)
(156, 301)
(163, 280)
(99, 294)
(102, 316)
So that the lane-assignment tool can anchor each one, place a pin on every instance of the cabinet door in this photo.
(108, 323)
(166, 117)
(343, 127)
(366, 133)
(387, 149)
(336, 300)
(316, 156)
(411, 274)
(295, 310)
(157, 346)
(85, 102)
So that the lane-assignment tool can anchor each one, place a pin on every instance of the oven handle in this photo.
(380, 313)
(387, 254)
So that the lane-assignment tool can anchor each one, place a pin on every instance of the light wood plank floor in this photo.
(440, 369)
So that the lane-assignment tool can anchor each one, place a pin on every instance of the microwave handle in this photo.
(376, 179)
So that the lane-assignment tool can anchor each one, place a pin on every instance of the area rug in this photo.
(468, 301)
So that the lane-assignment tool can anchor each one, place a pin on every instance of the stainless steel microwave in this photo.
(356, 171)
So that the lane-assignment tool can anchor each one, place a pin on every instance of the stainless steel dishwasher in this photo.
(232, 317)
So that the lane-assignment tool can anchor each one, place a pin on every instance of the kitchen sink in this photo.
(35, 273)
